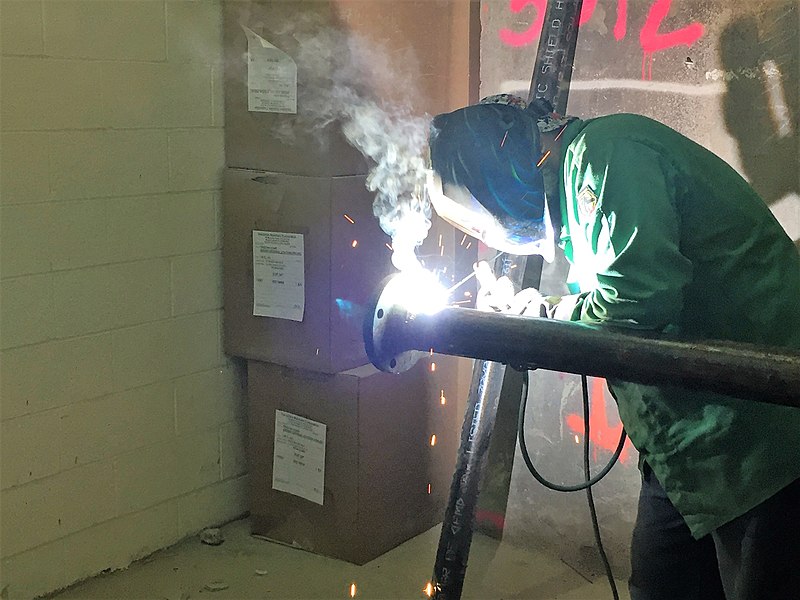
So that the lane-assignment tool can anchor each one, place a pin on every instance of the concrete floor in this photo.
(254, 568)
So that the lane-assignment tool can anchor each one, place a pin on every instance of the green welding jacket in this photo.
(663, 235)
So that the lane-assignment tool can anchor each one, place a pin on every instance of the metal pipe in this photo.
(747, 371)
(551, 75)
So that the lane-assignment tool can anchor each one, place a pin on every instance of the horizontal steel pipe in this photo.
(747, 371)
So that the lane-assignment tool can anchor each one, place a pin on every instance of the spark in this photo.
(441, 250)
(433, 367)
(577, 440)
(502, 143)
(433, 440)
(429, 488)
(352, 590)
(389, 246)
(349, 218)
(354, 243)
(428, 590)
(462, 302)
(431, 351)
(468, 294)
(463, 239)
(440, 239)
(544, 158)
(468, 245)
(442, 399)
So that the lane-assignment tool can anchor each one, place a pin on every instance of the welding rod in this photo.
(748, 371)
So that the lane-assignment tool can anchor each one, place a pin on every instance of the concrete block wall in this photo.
(122, 422)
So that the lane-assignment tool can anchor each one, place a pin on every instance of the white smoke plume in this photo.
(339, 75)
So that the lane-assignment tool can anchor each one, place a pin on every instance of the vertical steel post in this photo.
(550, 80)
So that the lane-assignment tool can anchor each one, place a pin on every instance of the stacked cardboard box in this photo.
(341, 456)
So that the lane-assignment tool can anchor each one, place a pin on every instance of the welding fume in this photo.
(661, 236)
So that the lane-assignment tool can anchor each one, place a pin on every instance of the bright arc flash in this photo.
(418, 291)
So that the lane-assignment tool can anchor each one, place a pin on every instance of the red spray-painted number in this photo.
(650, 39)
(601, 433)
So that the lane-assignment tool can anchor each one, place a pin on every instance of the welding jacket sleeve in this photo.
(622, 231)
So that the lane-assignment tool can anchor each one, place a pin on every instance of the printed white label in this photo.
(298, 464)
(271, 77)
(278, 275)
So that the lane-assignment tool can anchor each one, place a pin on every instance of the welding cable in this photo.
(590, 481)
(524, 448)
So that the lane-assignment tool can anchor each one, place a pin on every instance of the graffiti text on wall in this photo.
(651, 39)
(601, 433)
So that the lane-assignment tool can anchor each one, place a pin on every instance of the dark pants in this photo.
(754, 557)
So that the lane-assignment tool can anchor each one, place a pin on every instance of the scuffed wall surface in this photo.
(723, 73)
(122, 428)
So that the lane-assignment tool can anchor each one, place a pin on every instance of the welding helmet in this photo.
(484, 178)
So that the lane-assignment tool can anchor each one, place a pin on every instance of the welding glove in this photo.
(496, 294)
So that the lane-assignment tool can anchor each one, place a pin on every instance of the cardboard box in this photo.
(346, 258)
(269, 140)
(426, 53)
(378, 457)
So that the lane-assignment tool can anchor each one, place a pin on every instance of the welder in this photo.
(661, 235)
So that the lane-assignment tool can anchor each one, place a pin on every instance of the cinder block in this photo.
(21, 27)
(198, 460)
(28, 100)
(25, 176)
(196, 159)
(24, 239)
(213, 505)
(105, 29)
(82, 368)
(23, 576)
(142, 354)
(233, 456)
(162, 225)
(102, 428)
(194, 32)
(26, 308)
(194, 343)
(42, 376)
(89, 496)
(193, 220)
(79, 234)
(186, 95)
(147, 476)
(26, 380)
(208, 399)
(196, 283)
(217, 96)
(134, 536)
(99, 163)
(27, 448)
(141, 94)
(139, 291)
(83, 302)
(30, 516)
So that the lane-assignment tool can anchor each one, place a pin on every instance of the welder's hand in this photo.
(497, 295)
(494, 294)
